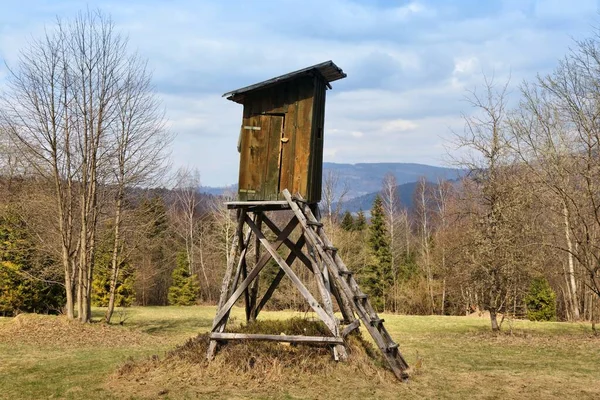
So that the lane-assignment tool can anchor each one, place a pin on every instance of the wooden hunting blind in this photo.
(281, 146)
(281, 137)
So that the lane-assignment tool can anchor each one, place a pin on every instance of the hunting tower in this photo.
(281, 137)
(281, 158)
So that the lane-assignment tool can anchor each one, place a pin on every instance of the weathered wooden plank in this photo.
(350, 327)
(256, 203)
(273, 156)
(303, 137)
(316, 153)
(276, 338)
(291, 132)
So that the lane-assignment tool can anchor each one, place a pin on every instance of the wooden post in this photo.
(254, 287)
(225, 286)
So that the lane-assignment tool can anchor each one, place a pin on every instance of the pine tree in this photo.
(124, 291)
(348, 222)
(361, 222)
(377, 276)
(184, 288)
(18, 261)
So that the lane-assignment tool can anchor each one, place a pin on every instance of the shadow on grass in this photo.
(165, 326)
(158, 320)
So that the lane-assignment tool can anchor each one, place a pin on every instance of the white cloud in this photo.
(408, 65)
(399, 125)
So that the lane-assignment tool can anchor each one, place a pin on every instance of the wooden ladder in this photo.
(345, 287)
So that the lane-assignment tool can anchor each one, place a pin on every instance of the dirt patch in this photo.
(249, 368)
(58, 331)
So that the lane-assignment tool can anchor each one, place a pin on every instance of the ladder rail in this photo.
(349, 287)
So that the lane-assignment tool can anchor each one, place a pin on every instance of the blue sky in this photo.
(409, 63)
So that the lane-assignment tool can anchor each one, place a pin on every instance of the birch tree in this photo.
(391, 208)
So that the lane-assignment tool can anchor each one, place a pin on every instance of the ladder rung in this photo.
(299, 200)
(349, 273)
(391, 347)
(360, 296)
(377, 321)
(331, 248)
(314, 223)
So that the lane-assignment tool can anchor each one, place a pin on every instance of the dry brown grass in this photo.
(59, 332)
(248, 368)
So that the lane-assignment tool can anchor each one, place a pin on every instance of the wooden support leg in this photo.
(339, 351)
(254, 287)
(226, 285)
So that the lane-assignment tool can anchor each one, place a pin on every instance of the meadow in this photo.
(452, 357)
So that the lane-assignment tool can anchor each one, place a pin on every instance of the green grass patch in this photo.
(452, 357)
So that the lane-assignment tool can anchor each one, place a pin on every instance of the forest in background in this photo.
(84, 220)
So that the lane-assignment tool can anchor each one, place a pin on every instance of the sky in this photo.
(409, 63)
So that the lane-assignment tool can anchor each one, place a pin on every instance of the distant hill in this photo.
(366, 178)
(364, 202)
(218, 191)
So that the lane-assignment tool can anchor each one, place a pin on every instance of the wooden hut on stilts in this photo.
(281, 158)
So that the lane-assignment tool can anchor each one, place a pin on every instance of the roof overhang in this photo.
(327, 70)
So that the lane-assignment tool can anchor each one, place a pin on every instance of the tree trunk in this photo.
(114, 276)
(70, 306)
(494, 321)
(572, 286)
(443, 308)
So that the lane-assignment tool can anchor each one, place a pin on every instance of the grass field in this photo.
(48, 357)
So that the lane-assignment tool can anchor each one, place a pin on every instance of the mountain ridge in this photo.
(362, 179)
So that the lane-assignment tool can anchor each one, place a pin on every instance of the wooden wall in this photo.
(300, 106)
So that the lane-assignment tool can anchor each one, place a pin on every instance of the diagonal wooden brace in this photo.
(326, 318)
(255, 271)
(280, 274)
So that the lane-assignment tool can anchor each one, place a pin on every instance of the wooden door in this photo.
(260, 158)
(275, 152)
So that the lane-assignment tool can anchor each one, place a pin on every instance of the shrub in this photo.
(541, 301)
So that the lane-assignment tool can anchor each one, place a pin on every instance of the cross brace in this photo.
(313, 249)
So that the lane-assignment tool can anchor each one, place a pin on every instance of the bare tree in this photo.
(189, 223)
(139, 153)
(484, 140)
(423, 212)
(62, 110)
(557, 135)
(334, 193)
(442, 192)
(186, 204)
